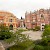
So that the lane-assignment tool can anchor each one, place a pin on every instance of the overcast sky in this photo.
(19, 7)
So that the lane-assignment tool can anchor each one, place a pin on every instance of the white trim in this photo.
(42, 26)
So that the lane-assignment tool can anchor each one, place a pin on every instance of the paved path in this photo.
(1, 46)
(34, 35)
(6, 45)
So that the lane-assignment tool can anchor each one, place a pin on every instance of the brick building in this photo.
(8, 19)
(38, 18)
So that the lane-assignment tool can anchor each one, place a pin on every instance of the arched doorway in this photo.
(11, 27)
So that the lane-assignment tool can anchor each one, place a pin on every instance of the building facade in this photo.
(32, 19)
(8, 19)
(38, 18)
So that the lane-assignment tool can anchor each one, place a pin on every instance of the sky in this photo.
(19, 7)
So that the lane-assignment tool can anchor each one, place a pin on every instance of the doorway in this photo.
(11, 27)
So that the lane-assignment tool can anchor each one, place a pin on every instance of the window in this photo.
(28, 20)
(33, 20)
(1, 21)
(42, 25)
(43, 28)
(33, 17)
(10, 20)
(38, 20)
(42, 16)
(33, 23)
(11, 15)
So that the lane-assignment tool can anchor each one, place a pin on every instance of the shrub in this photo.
(26, 45)
(5, 35)
(4, 32)
(21, 30)
(15, 47)
(46, 47)
(34, 29)
(38, 47)
(37, 28)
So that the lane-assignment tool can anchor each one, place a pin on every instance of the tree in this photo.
(46, 32)
(46, 35)
(46, 26)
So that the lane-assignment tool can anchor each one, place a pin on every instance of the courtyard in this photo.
(33, 35)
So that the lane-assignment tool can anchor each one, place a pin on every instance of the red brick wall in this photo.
(36, 18)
